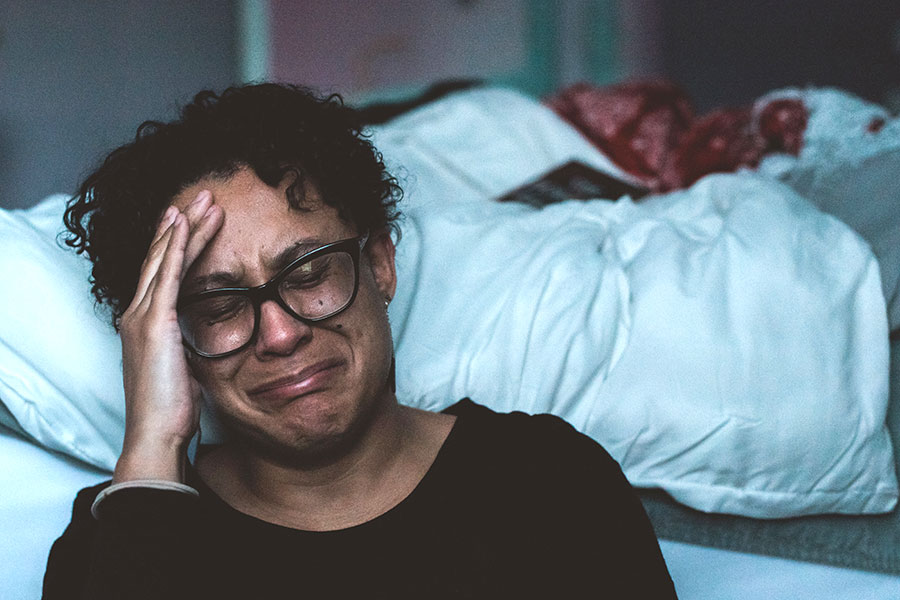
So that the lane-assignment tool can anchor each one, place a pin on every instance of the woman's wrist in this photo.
(156, 460)
(147, 484)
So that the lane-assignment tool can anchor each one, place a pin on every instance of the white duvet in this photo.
(726, 343)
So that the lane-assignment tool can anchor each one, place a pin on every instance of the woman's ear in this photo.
(380, 250)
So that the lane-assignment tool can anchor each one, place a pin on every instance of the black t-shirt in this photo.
(513, 506)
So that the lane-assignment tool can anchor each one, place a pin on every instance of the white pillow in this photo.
(755, 381)
(481, 144)
(60, 358)
(60, 364)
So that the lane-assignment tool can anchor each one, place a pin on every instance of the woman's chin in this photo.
(309, 430)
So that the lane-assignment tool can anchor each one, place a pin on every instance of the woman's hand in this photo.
(162, 399)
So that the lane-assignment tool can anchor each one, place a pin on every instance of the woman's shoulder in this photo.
(544, 445)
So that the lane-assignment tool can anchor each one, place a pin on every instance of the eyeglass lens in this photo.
(313, 289)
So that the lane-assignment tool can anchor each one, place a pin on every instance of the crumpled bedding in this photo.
(718, 341)
(649, 129)
(848, 167)
(838, 151)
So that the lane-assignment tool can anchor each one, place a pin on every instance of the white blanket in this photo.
(727, 343)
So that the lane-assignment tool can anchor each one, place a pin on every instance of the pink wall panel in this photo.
(356, 47)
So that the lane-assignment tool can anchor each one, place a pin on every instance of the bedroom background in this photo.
(76, 77)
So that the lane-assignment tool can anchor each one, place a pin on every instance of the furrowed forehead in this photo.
(235, 278)
(261, 232)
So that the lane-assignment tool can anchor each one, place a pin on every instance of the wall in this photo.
(727, 53)
(76, 78)
(389, 48)
(357, 47)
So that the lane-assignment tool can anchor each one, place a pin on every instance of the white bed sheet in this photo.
(703, 573)
(37, 489)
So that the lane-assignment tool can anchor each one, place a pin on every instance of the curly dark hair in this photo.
(273, 129)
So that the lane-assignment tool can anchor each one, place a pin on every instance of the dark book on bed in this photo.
(573, 181)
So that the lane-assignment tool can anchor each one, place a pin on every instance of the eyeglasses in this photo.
(318, 285)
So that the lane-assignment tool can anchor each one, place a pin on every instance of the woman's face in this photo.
(301, 390)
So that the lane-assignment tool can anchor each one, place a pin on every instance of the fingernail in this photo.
(201, 197)
(167, 217)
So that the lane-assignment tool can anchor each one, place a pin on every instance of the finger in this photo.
(192, 211)
(156, 244)
(165, 220)
(159, 244)
(163, 289)
(201, 234)
(197, 208)
(151, 263)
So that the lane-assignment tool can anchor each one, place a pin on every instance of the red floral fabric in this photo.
(649, 129)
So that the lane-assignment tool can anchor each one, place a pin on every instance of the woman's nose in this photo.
(280, 334)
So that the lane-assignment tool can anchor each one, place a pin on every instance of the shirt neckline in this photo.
(422, 488)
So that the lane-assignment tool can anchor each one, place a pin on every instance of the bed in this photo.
(726, 340)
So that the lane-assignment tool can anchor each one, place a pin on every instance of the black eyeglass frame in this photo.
(269, 290)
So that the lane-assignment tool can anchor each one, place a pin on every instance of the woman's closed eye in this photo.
(218, 310)
(307, 276)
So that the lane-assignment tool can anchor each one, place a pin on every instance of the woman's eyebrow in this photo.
(211, 281)
(295, 250)
(220, 279)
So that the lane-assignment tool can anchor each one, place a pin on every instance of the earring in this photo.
(387, 302)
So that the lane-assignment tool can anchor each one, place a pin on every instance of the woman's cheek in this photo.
(212, 375)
